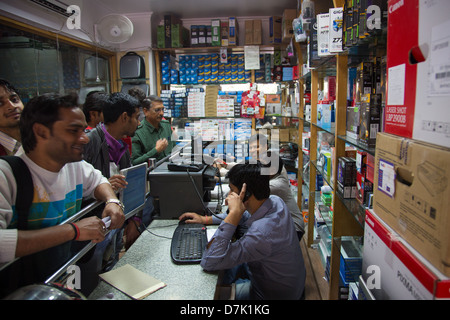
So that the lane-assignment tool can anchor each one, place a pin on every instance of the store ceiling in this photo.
(187, 9)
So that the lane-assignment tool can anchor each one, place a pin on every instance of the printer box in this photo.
(412, 194)
(394, 270)
(418, 64)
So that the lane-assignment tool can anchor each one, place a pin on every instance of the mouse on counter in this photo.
(183, 221)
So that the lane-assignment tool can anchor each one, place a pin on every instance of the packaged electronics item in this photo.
(323, 30)
(411, 194)
(353, 121)
(224, 33)
(370, 117)
(194, 35)
(233, 31)
(336, 22)
(215, 32)
(394, 270)
(169, 20)
(346, 176)
(417, 69)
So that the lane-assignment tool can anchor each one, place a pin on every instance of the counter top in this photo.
(151, 255)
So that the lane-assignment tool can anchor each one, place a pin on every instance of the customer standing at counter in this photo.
(11, 107)
(53, 137)
(153, 137)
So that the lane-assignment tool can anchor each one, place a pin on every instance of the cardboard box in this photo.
(275, 29)
(284, 135)
(288, 32)
(233, 31)
(417, 70)
(257, 31)
(394, 270)
(412, 194)
(248, 32)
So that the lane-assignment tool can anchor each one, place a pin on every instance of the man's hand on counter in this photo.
(192, 217)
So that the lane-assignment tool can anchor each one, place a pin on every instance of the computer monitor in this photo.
(175, 192)
(133, 196)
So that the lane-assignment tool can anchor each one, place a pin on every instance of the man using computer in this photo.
(268, 252)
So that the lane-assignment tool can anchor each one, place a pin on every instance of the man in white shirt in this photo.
(53, 138)
(10, 109)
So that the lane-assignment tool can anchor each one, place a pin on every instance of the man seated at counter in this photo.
(269, 251)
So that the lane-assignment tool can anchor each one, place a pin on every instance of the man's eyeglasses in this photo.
(158, 110)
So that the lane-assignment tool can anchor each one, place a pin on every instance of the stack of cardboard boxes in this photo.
(410, 221)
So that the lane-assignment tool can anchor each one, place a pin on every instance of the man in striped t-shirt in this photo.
(53, 138)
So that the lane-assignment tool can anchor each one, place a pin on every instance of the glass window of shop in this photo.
(37, 65)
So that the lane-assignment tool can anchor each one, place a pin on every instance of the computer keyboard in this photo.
(188, 243)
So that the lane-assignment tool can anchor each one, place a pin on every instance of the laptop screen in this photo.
(133, 195)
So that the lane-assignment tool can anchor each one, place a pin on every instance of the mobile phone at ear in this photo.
(248, 194)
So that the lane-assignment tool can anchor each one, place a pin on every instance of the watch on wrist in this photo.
(116, 201)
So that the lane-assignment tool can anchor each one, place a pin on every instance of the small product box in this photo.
(215, 32)
(323, 34)
(224, 33)
(346, 177)
(233, 31)
(335, 35)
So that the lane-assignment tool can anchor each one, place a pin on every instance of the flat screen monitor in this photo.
(133, 196)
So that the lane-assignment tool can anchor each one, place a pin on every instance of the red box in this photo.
(418, 81)
(404, 273)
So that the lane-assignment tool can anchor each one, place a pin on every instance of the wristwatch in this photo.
(116, 201)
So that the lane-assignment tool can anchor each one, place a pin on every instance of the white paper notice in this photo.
(439, 73)
(396, 85)
(251, 54)
(386, 178)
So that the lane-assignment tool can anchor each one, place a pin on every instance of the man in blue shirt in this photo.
(269, 250)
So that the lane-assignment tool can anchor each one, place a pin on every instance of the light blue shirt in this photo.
(270, 247)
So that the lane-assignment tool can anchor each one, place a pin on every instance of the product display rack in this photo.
(346, 225)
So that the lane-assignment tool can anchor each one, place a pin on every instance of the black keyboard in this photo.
(188, 243)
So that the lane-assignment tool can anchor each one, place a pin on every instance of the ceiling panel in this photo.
(188, 9)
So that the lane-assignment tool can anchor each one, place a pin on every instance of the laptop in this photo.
(133, 196)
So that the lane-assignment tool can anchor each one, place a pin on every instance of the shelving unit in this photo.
(347, 222)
